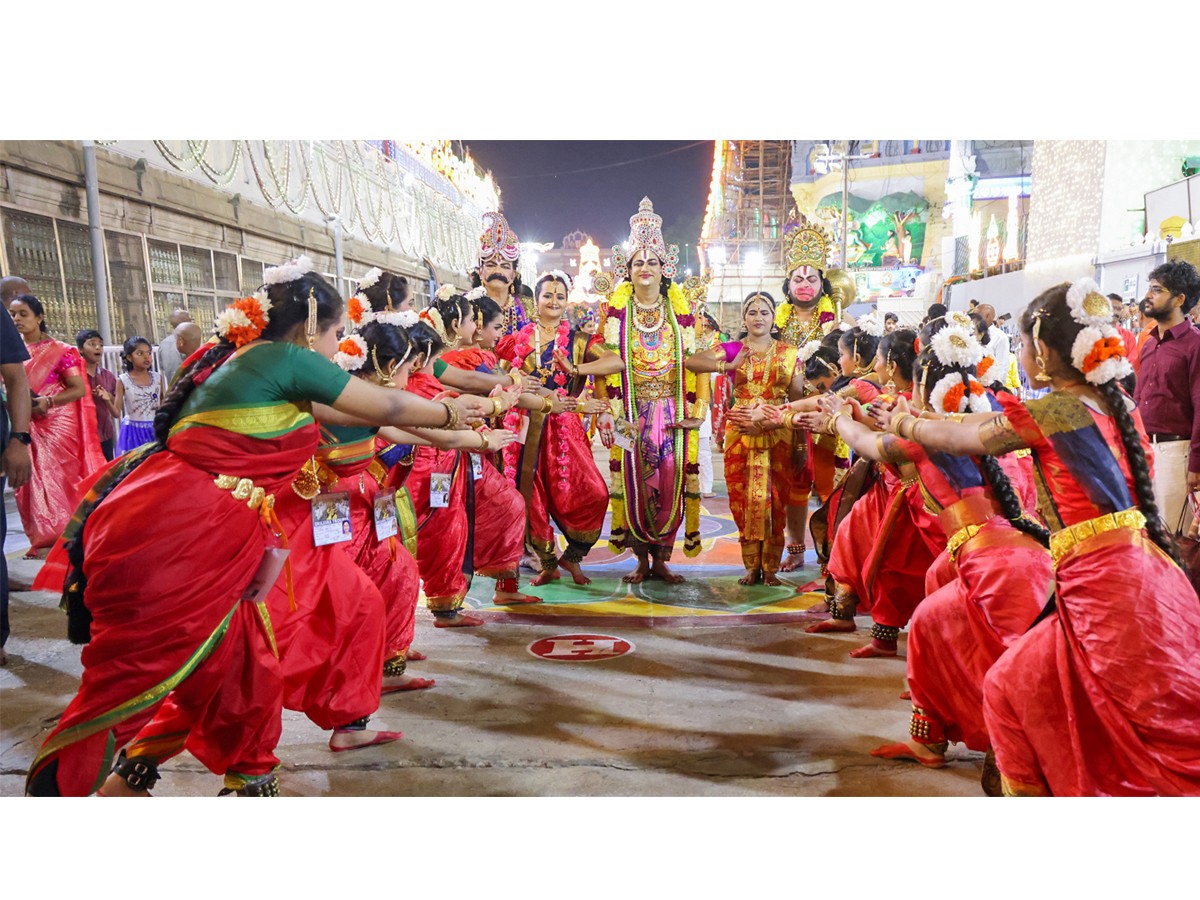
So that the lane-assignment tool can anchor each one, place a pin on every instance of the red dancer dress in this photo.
(883, 548)
(481, 529)
(169, 555)
(554, 469)
(1103, 696)
(758, 470)
(65, 448)
(984, 591)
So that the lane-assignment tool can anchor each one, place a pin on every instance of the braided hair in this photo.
(426, 341)
(1058, 331)
(390, 292)
(859, 344)
(453, 310)
(928, 371)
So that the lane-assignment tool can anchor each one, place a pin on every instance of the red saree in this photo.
(165, 597)
(1103, 696)
(65, 445)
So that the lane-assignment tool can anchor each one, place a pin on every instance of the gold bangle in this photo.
(451, 415)
(894, 426)
(482, 440)
(912, 436)
(789, 419)
(517, 378)
(497, 406)
(547, 405)
(722, 365)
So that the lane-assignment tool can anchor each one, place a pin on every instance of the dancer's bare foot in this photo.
(874, 649)
(640, 574)
(460, 620)
(576, 573)
(792, 562)
(844, 625)
(116, 786)
(511, 598)
(913, 750)
(771, 579)
(414, 655)
(661, 570)
(355, 740)
(749, 578)
(545, 577)
(393, 684)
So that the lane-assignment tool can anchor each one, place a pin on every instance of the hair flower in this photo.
(1087, 305)
(289, 271)
(476, 293)
(243, 321)
(808, 350)
(355, 309)
(370, 279)
(351, 353)
(1099, 353)
(954, 345)
(446, 291)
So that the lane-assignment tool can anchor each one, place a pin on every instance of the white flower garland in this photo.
(229, 319)
(289, 271)
(808, 350)
(1116, 366)
(974, 402)
(405, 319)
(954, 345)
(351, 362)
(871, 324)
(446, 291)
(1088, 306)
(370, 279)
(476, 293)
(612, 332)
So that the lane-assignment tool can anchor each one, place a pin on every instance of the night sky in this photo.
(542, 202)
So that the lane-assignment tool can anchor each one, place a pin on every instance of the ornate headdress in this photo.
(498, 240)
(1098, 351)
(645, 233)
(809, 247)
(956, 346)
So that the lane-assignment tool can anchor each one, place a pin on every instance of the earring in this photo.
(310, 328)
(890, 386)
(1041, 375)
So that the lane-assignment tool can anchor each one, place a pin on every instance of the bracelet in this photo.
(789, 419)
(451, 415)
(547, 405)
(516, 377)
(894, 427)
(497, 406)
(831, 426)
(722, 366)
(482, 440)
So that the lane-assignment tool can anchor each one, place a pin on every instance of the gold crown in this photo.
(809, 247)
(498, 240)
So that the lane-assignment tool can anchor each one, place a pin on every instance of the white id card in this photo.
(439, 489)
(624, 434)
(385, 515)
(523, 431)
(476, 466)
(266, 576)
(331, 518)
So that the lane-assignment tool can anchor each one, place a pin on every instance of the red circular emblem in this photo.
(580, 647)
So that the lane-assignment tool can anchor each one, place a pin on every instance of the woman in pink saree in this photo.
(65, 445)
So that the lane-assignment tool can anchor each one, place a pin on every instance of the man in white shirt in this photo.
(997, 347)
(168, 354)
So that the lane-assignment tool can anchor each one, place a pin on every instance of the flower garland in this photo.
(289, 271)
(523, 347)
(370, 279)
(982, 367)
(446, 291)
(1097, 351)
(871, 324)
(244, 320)
(351, 353)
(948, 394)
(356, 309)
(783, 312)
(955, 345)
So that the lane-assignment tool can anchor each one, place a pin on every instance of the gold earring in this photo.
(890, 386)
(1041, 375)
(310, 328)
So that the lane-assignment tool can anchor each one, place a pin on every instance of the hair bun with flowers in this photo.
(351, 353)
(446, 291)
(243, 320)
(956, 345)
(474, 293)
(808, 350)
(289, 271)
(871, 324)
(370, 279)
(950, 392)
(434, 318)
(1098, 350)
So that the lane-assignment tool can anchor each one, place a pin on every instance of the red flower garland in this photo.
(1102, 351)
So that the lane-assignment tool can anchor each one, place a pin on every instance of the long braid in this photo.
(1010, 503)
(1114, 397)
(184, 385)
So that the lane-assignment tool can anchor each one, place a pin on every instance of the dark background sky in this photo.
(544, 196)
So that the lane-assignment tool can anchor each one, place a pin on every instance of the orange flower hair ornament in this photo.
(243, 320)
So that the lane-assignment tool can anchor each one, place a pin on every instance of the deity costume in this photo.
(655, 485)
(554, 469)
(498, 241)
(1101, 697)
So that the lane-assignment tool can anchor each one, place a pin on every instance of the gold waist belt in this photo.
(654, 389)
(959, 538)
(245, 489)
(1062, 541)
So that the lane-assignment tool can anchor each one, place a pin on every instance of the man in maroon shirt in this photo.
(1168, 385)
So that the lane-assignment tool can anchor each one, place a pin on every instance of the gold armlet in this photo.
(998, 436)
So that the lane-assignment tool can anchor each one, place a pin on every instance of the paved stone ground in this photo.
(698, 708)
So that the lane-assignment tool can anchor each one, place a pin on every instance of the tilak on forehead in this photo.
(498, 241)
(645, 233)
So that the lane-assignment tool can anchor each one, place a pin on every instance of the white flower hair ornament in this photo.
(950, 395)
(1099, 353)
(289, 271)
(476, 293)
(405, 319)
(808, 350)
(446, 291)
(955, 345)
(351, 353)
(871, 324)
(558, 274)
(1087, 305)
(370, 279)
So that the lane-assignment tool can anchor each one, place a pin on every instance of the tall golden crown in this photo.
(645, 233)
(809, 247)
